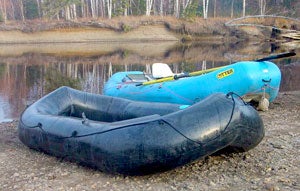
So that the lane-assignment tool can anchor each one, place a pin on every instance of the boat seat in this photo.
(139, 77)
(161, 70)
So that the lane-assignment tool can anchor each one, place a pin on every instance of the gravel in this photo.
(272, 165)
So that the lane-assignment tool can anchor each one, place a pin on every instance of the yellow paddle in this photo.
(204, 71)
(276, 56)
(175, 77)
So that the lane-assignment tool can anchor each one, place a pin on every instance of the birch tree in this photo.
(109, 8)
(97, 5)
(93, 8)
(262, 6)
(70, 11)
(102, 8)
(176, 8)
(244, 8)
(232, 2)
(205, 8)
(3, 10)
(21, 6)
(215, 8)
(185, 4)
(83, 12)
(67, 13)
(125, 6)
(74, 11)
(38, 3)
(148, 7)
(161, 9)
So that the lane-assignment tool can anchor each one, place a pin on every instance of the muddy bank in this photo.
(272, 165)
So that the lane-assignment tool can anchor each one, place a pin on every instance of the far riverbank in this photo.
(137, 29)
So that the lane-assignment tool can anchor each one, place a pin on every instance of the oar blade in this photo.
(277, 56)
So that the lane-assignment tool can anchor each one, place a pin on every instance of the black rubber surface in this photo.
(121, 136)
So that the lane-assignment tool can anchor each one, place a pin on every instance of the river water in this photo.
(29, 71)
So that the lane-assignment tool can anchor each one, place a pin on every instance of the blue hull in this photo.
(249, 79)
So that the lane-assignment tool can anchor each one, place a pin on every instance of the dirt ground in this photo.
(273, 165)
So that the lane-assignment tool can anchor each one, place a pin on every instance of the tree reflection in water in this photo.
(54, 79)
(24, 78)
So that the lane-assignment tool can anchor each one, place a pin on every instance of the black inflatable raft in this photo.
(116, 135)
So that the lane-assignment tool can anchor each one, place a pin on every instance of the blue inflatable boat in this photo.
(253, 80)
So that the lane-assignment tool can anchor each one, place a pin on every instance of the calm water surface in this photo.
(27, 72)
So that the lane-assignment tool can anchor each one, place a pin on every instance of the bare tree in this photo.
(74, 13)
(3, 10)
(39, 8)
(83, 12)
(70, 11)
(125, 6)
(67, 13)
(93, 9)
(176, 8)
(109, 8)
(148, 7)
(97, 4)
(102, 8)
(205, 8)
(11, 10)
(262, 6)
(244, 8)
(215, 8)
(232, 3)
(185, 4)
(21, 6)
(161, 9)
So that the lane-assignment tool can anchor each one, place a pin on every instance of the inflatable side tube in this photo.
(140, 145)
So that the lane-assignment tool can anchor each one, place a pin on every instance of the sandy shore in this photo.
(84, 35)
(273, 165)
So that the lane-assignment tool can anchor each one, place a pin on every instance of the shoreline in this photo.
(130, 29)
(145, 28)
(87, 35)
(272, 165)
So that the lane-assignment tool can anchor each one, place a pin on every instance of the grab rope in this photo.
(274, 88)
(264, 92)
(232, 93)
(177, 95)
(74, 133)
(230, 119)
(174, 128)
(39, 125)
(264, 87)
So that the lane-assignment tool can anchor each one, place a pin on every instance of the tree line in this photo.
(75, 9)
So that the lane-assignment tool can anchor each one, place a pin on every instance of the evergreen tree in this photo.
(31, 9)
